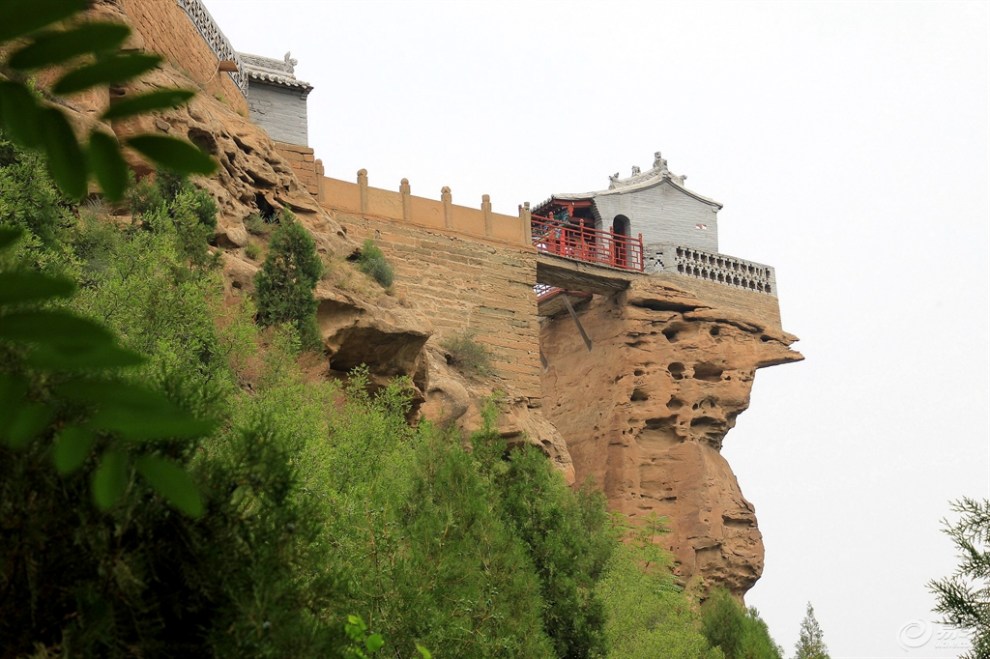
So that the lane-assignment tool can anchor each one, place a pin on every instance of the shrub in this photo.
(252, 251)
(284, 286)
(372, 262)
(467, 355)
(739, 632)
(257, 226)
(143, 197)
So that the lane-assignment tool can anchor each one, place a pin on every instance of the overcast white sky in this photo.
(849, 144)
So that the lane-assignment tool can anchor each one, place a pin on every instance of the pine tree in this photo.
(963, 598)
(284, 286)
(810, 644)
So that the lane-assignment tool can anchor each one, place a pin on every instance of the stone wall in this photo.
(307, 168)
(761, 309)
(280, 111)
(167, 30)
(466, 285)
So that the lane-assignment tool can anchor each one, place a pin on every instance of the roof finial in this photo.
(659, 164)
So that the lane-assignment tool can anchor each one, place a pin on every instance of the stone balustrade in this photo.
(216, 39)
(710, 266)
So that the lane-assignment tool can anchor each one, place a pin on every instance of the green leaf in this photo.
(27, 423)
(172, 482)
(21, 114)
(170, 153)
(74, 358)
(17, 287)
(72, 447)
(108, 164)
(13, 390)
(54, 327)
(109, 479)
(107, 71)
(21, 17)
(66, 160)
(159, 100)
(134, 425)
(9, 236)
(59, 46)
(133, 411)
(374, 643)
(423, 652)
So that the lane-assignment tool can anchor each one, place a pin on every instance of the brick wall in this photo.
(467, 284)
(307, 168)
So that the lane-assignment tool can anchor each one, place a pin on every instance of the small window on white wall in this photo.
(701, 227)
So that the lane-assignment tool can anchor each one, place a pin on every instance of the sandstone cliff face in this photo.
(643, 414)
(393, 335)
(645, 411)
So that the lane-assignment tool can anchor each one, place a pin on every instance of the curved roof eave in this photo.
(644, 185)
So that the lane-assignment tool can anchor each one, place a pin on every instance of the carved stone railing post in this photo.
(363, 188)
(526, 219)
(447, 200)
(486, 209)
(406, 193)
(320, 173)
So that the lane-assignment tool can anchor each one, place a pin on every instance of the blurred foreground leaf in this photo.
(60, 46)
(172, 482)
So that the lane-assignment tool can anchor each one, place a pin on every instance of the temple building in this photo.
(649, 222)
(277, 100)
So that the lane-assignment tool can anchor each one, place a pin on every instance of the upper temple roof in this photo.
(656, 175)
(272, 71)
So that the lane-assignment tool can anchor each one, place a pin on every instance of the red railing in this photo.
(591, 245)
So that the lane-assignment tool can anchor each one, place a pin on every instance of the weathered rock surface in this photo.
(644, 414)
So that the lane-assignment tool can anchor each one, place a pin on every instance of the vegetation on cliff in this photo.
(171, 483)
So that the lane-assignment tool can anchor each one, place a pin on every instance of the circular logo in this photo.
(914, 634)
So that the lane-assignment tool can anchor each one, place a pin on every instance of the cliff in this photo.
(646, 410)
(643, 414)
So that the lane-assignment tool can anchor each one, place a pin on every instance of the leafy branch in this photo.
(58, 377)
(49, 33)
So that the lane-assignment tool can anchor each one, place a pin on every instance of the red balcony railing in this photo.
(590, 245)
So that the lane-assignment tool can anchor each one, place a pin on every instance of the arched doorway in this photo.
(620, 241)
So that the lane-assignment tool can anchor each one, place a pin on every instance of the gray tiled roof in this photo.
(637, 181)
(272, 71)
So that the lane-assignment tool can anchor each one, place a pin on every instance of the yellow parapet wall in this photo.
(401, 206)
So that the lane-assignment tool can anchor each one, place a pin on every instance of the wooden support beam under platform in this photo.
(575, 275)
(554, 305)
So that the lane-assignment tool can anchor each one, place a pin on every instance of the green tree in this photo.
(648, 614)
(963, 599)
(284, 286)
(568, 536)
(739, 632)
(811, 644)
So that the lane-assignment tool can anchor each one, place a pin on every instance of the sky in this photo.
(850, 144)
